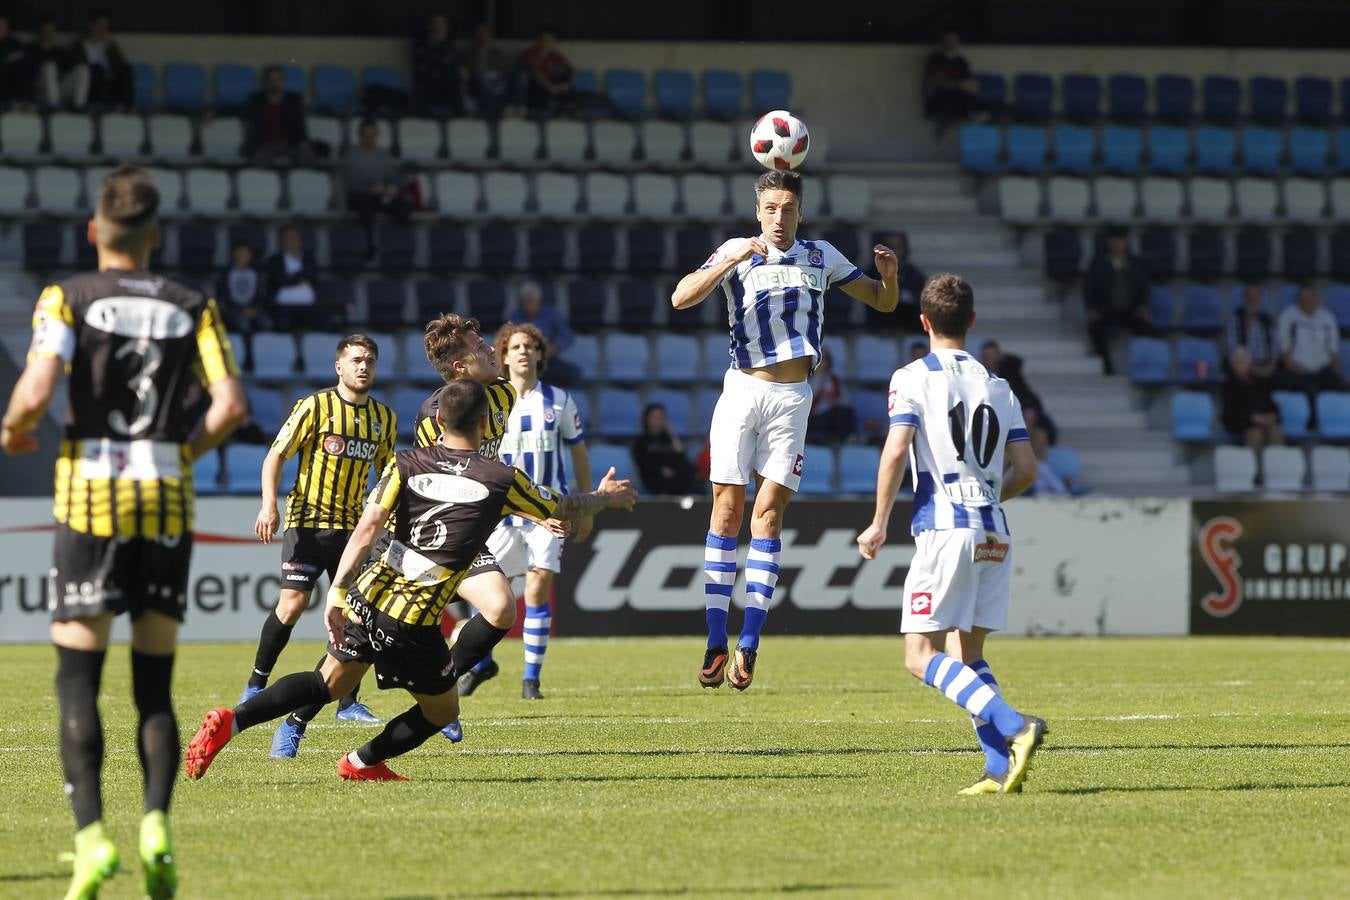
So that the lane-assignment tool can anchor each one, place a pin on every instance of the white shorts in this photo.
(956, 580)
(519, 548)
(759, 426)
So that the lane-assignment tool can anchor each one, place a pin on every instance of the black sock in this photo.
(276, 634)
(78, 675)
(343, 702)
(295, 691)
(158, 743)
(476, 640)
(403, 733)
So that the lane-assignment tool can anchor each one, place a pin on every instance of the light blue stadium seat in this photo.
(293, 77)
(389, 77)
(605, 456)
(582, 399)
(1198, 361)
(585, 81)
(674, 89)
(627, 357)
(1192, 416)
(1067, 465)
(627, 92)
(870, 405)
(406, 401)
(1285, 295)
(318, 351)
(1215, 149)
(1336, 298)
(716, 348)
(722, 91)
(1162, 306)
(1150, 361)
(876, 358)
(585, 353)
(819, 470)
(334, 89)
(858, 468)
(981, 146)
(1294, 413)
(1308, 150)
(1261, 150)
(677, 360)
(1026, 148)
(1333, 415)
(206, 474)
(266, 407)
(705, 401)
(1075, 146)
(273, 355)
(619, 413)
(243, 464)
(234, 84)
(679, 411)
(769, 90)
(1168, 148)
(184, 86)
(1201, 308)
(1122, 149)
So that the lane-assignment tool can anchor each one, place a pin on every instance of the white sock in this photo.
(355, 760)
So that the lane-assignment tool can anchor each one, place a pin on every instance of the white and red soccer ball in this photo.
(779, 140)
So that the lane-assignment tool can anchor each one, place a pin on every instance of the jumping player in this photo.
(962, 422)
(138, 348)
(774, 286)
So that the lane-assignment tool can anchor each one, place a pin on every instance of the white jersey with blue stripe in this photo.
(963, 418)
(543, 420)
(776, 304)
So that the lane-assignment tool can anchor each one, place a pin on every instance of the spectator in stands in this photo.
(1115, 292)
(292, 280)
(240, 294)
(16, 79)
(549, 75)
(52, 67)
(102, 73)
(950, 91)
(659, 455)
(1251, 329)
(1308, 337)
(1009, 367)
(832, 419)
(438, 71)
(274, 123)
(906, 315)
(1249, 413)
(372, 181)
(532, 310)
(489, 73)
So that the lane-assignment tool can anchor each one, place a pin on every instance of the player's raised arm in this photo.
(883, 295)
(695, 287)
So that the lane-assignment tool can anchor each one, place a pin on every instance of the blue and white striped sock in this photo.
(964, 688)
(761, 576)
(719, 578)
(538, 620)
(991, 742)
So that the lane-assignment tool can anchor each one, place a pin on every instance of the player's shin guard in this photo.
(991, 741)
(761, 577)
(295, 692)
(403, 733)
(158, 742)
(719, 578)
(538, 622)
(343, 702)
(78, 675)
(274, 638)
(475, 643)
(964, 688)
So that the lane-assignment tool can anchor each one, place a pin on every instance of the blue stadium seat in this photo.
(1122, 149)
(196, 246)
(705, 401)
(1267, 99)
(585, 353)
(1067, 465)
(1174, 97)
(1262, 149)
(1215, 149)
(1035, 94)
(607, 456)
(993, 90)
(674, 90)
(1221, 98)
(1082, 96)
(1198, 361)
(1342, 142)
(435, 298)
(206, 474)
(317, 353)
(348, 247)
(679, 411)
(1026, 148)
(1168, 148)
(858, 466)
(585, 81)
(334, 90)
(627, 357)
(722, 92)
(770, 89)
(234, 84)
(42, 245)
(637, 304)
(1285, 295)
(1294, 413)
(266, 407)
(619, 413)
(1150, 361)
(273, 355)
(1127, 97)
(386, 301)
(1333, 415)
(497, 243)
(980, 147)
(819, 470)
(447, 244)
(389, 77)
(876, 357)
(487, 303)
(293, 77)
(1312, 100)
(184, 87)
(627, 92)
(1162, 306)
(716, 356)
(1192, 416)
(243, 464)
(586, 304)
(1336, 298)
(406, 402)
(1309, 149)
(1075, 145)
(676, 358)
(546, 245)
(1201, 308)
(143, 80)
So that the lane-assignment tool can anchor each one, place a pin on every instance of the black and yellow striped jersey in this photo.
(501, 396)
(139, 349)
(445, 503)
(338, 443)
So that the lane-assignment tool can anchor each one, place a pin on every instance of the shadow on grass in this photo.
(1050, 747)
(651, 891)
(1163, 789)
(34, 876)
(600, 779)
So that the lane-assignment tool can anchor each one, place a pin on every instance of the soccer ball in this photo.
(779, 140)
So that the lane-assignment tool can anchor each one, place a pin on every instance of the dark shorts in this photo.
(413, 657)
(95, 575)
(483, 562)
(306, 553)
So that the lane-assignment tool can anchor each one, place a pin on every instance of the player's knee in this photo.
(290, 605)
(767, 522)
(726, 518)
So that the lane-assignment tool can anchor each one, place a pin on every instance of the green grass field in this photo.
(1174, 768)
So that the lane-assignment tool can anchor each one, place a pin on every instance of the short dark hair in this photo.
(128, 204)
(446, 341)
(779, 180)
(949, 303)
(365, 342)
(461, 405)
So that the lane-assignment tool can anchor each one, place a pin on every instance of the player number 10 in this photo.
(983, 435)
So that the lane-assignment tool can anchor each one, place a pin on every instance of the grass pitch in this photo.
(1174, 768)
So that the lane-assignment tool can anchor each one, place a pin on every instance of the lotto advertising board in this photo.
(1271, 567)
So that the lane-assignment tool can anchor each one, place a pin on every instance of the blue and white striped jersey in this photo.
(776, 305)
(542, 421)
(964, 417)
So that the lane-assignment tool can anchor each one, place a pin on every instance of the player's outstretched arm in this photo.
(611, 493)
(695, 287)
(889, 472)
(29, 401)
(883, 295)
(1021, 471)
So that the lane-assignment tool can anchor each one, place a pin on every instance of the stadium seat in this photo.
(196, 246)
(1158, 251)
(1150, 361)
(1336, 299)
(615, 142)
(208, 191)
(1305, 199)
(619, 413)
(1283, 468)
(1221, 97)
(415, 366)
(705, 196)
(273, 355)
(1063, 254)
(420, 140)
(876, 358)
(266, 407)
(222, 139)
(310, 191)
(638, 304)
(705, 401)
(1330, 469)
(663, 143)
(679, 410)
(1069, 199)
(1116, 199)
(42, 245)
(1257, 199)
(677, 359)
(1019, 198)
(1127, 97)
(674, 89)
(1267, 99)
(57, 189)
(243, 465)
(858, 466)
(596, 245)
(585, 354)
(1340, 199)
(233, 85)
(348, 247)
(386, 79)
(505, 193)
(1168, 149)
(981, 146)
(1333, 415)
(1234, 469)
(1174, 97)
(1312, 100)
(546, 247)
(144, 86)
(1192, 417)
(1309, 149)
(1198, 361)
(170, 137)
(185, 87)
(1201, 309)
(710, 143)
(1122, 149)
(259, 191)
(457, 193)
(406, 403)
(1262, 149)
(1162, 198)
(121, 135)
(654, 195)
(586, 82)
(769, 89)
(386, 303)
(170, 185)
(517, 140)
(607, 194)
(1206, 252)
(207, 475)
(1034, 94)
(396, 246)
(1215, 149)
(992, 91)
(1295, 411)
(1082, 96)
(605, 456)
(1026, 148)
(435, 298)
(646, 249)
(557, 194)
(467, 140)
(722, 92)
(1075, 146)
(627, 357)
(1299, 253)
(334, 90)
(293, 78)
(566, 141)
(498, 243)
(21, 134)
(487, 303)
(626, 90)
(1211, 199)
(70, 135)
(1162, 306)
(1253, 252)
(716, 356)
(819, 470)
(850, 197)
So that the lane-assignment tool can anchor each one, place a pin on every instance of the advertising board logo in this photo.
(1216, 539)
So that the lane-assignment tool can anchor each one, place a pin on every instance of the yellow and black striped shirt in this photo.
(501, 396)
(139, 349)
(338, 443)
(446, 503)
